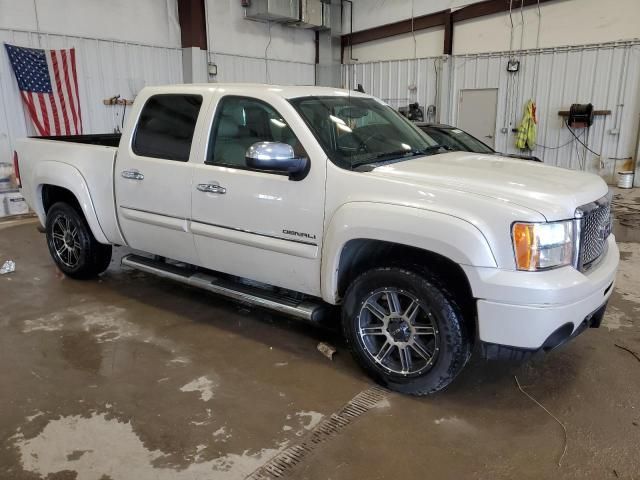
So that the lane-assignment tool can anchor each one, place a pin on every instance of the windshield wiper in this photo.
(434, 149)
(399, 154)
(388, 156)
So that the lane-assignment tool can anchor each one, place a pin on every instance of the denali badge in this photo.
(299, 234)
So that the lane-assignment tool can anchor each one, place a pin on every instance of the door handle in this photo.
(132, 175)
(211, 188)
(488, 136)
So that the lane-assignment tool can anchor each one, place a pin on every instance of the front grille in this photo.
(595, 227)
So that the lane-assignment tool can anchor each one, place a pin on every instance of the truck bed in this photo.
(104, 139)
(82, 164)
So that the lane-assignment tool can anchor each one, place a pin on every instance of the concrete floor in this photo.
(133, 377)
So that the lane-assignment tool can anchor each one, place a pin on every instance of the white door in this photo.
(153, 177)
(258, 225)
(477, 113)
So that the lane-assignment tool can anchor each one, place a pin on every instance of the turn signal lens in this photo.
(540, 246)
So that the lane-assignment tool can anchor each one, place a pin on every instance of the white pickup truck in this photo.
(302, 198)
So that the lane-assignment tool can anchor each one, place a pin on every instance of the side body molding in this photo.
(66, 176)
(449, 236)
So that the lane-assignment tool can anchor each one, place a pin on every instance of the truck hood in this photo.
(553, 192)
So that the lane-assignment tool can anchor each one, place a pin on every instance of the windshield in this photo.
(456, 139)
(359, 131)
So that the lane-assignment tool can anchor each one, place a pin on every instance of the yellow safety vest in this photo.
(528, 130)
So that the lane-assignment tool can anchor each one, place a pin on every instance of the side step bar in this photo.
(305, 309)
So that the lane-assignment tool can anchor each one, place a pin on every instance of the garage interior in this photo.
(130, 376)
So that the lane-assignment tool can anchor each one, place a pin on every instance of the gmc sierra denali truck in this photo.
(297, 199)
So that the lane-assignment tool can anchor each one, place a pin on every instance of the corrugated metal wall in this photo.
(105, 68)
(392, 81)
(237, 68)
(606, 75)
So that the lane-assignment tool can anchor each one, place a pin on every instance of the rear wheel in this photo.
(71, 244)
(405, 330)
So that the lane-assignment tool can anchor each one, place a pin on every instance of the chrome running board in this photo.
(303, 309)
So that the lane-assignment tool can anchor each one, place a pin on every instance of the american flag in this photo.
(48, 83)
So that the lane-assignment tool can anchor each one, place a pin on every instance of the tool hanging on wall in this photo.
(115, 101)
(580, 115)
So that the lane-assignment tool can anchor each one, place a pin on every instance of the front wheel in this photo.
(405, 331)
(72, 245)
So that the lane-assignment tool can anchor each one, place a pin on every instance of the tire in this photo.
(71, 244)
(425, 351)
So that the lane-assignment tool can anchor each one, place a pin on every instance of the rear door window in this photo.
(166, 126)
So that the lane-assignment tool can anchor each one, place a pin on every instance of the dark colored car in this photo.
(459, 140)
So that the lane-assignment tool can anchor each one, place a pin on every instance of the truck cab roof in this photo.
(284, 91)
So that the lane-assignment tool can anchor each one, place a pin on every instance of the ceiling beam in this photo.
(490, 7)
(446, 18)
(193, 27)
(397, 28)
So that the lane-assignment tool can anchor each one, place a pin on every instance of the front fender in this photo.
(66, 176)
(449, 236)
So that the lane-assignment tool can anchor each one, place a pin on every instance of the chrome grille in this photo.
(595, 227)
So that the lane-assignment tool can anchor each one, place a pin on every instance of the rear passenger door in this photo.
(153, 176)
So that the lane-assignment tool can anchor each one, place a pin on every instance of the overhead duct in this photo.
(328, 69)
(312, 14)
(273, 10)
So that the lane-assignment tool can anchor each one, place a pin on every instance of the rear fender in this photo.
(66, 176)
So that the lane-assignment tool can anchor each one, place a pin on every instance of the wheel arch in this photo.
(61, 182)
(361, 255)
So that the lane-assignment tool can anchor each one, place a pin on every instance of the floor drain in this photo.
(279, 466)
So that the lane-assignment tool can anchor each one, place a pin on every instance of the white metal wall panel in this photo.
(105, 68)
(606, 75)
(393, 81)
(236, 68)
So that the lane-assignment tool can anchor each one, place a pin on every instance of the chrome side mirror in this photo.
(277, 157)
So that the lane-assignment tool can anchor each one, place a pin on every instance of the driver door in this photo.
(257, 224)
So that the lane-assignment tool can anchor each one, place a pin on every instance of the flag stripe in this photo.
(47, 113)
(65, 69)
(56, 117)
(32, 112)
(75, 83)
(43, 113)
(60, 92)
(55, 100)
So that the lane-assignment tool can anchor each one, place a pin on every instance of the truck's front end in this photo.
(564, 275)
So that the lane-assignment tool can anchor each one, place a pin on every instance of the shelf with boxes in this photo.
(11, 200)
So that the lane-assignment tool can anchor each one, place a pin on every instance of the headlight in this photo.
(540, 246)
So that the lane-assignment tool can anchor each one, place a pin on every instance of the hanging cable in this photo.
(35, 11)
(521, 24)
(266, 59)
(511, 20)
(536, 66)
(566, 122)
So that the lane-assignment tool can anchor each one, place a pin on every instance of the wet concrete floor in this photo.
(134, 377)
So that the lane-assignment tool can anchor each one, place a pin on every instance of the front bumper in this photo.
(525, 309)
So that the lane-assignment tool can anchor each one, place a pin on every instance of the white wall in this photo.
(239, 46)
(606, 74)
(121, 46)
(428, 43)
(373, 13)
(152, 22)
(563, 22)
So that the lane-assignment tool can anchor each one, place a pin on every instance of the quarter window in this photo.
(166, 125)
(241, 122)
